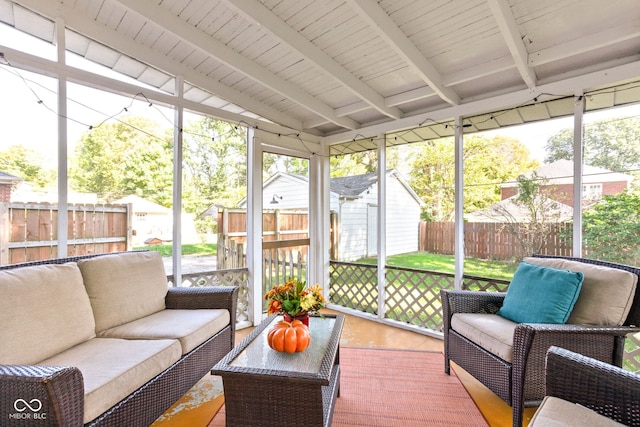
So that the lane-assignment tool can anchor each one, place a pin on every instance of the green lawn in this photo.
(446, 264)
(190, 249)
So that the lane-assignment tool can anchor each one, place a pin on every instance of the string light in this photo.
(294, 134)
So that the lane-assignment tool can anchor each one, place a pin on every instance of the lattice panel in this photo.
(472, 283)
(631, 357)
(235, 277)
(354, 286)
(413, 296)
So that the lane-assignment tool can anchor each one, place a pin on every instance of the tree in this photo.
(26, 163)
(611, 228)
(215, 164)
(530, 216)
(130, 156)
(487, 162)
(609, 144)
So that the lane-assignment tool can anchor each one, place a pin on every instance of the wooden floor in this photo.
(360, 332)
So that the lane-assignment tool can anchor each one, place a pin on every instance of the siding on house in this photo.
(403, 219)
(352, 220)
(351, 200)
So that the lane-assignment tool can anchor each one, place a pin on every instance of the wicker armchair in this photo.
(600, 387)
(521, 381)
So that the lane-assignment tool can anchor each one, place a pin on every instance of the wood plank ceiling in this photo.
(338, 69)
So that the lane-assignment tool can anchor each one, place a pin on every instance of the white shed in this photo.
(354, 200)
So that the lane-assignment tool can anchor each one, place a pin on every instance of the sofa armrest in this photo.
(202, 297)
(468, 302)
(604, 388)
(42, 395)
(223, 297)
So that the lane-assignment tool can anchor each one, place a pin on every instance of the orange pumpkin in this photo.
(289, 337)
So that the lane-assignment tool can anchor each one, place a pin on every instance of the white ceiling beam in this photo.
(39, 65)
(203, 42)
(585, 44)
(509, 29)
(270, 22)
(104, 35)
(379, 21)
(567, 86)
(478, 71)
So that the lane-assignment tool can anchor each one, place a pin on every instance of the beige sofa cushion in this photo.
(43, 310)
(492, 332)
(124, 287)
(555, 412)
(606, 295)
(190, 327)
(112, 369)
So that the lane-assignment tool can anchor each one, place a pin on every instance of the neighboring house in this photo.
(596, 182)
(7, 183)
(152, 222)
(508, 211)
(354, 199)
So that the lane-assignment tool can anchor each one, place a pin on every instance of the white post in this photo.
(578, 143)
(458, 213)
(177, 183)
(382, 224)
(63, 204)
(254, 227)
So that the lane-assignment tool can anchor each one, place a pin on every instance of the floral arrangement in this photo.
(295, 298)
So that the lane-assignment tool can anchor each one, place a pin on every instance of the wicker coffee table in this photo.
(265, 388)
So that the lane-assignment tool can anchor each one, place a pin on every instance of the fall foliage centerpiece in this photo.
(294, 300)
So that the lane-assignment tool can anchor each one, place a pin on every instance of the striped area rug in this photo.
(380, 387)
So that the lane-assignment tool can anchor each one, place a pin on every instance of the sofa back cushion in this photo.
(606, 296)
(44, 310)
(124, 287)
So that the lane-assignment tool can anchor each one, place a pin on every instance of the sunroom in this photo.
(360, 133)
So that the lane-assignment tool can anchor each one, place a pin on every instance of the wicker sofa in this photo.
(509, 357)
(582, 391)
(101, 340)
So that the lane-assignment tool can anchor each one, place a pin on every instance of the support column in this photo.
(382, 225)
(63, 192)
(254, 227)
(578, 144)
(458, 196)
(177, 182)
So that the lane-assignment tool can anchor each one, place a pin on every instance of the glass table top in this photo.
(258, 354)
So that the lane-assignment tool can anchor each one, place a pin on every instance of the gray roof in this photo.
(7, 177)
(353, 186)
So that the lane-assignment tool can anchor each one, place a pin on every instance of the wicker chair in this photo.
(600, 387)
(521, 382)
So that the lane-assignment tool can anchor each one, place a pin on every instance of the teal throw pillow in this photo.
(539, 294)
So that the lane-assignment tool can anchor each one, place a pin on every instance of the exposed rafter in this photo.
(201, 41)
(389, 31)
(591, 42)
(273, 24)
(124, 45)
(507, 24)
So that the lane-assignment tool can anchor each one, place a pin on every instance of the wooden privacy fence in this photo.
(277, 225)
(29, 231)
(487, 240)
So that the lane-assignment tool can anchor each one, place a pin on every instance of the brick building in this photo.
(596, 182)
(7, 183)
